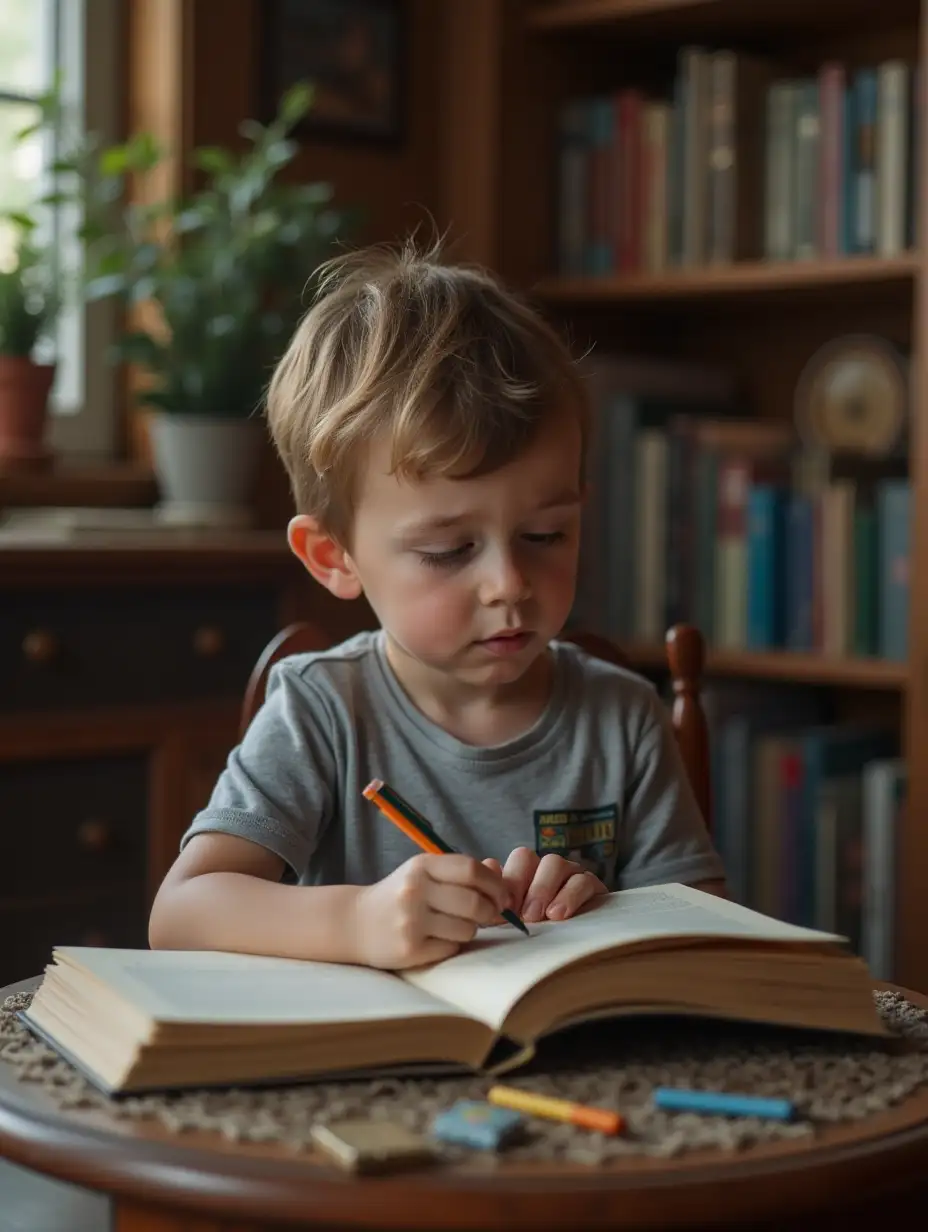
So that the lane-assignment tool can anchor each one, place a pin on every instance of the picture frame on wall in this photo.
(350, 51)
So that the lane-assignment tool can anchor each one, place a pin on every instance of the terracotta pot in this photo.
(24, 390)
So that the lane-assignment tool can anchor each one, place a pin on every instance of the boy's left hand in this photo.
(546, 887)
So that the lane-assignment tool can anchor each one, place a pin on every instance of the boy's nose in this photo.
(504, 582)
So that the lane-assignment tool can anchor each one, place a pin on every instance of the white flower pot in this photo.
(205, 466)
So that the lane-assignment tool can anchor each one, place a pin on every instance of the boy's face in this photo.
(473, 577)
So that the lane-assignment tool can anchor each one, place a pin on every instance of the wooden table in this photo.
(846, 1177)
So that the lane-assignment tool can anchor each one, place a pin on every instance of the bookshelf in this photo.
(741, 279)
(517, 62)
(845, 672)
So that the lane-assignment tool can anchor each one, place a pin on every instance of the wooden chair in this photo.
(685, 659)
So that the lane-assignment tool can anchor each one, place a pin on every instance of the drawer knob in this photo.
(94, 835)
(41, 646)
(209, 641)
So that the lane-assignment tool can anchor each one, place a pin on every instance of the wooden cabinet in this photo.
(122, 671)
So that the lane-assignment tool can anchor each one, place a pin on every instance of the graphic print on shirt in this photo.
(586, 836)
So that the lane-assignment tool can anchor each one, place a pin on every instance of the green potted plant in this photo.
(28, 308)
(227, 271)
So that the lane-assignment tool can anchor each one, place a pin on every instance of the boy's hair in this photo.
(454, 367)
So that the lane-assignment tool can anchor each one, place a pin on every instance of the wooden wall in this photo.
(396, 185)
(193, 69)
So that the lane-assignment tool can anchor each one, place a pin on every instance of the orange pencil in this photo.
(414, 826)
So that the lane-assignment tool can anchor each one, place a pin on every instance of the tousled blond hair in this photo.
(457, 369)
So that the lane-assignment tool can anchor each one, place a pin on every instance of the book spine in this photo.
(791, 862)
(651, 483)
(705, 484)
(778, 243)
(722, 169)
(573, 206)
(883, 783)
(694, 67)
(601, 124)
(654, 206)
(851, 168)
(807, 138)
(675, 170)
(867, 582)
(628, 199)
(865, 87)
(891, 150)
(731, 554)
(894, 504)
(831, 97)
(799, 577)
(765, 567)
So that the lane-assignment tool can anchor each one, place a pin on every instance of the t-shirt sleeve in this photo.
(278, 785)
(665, 837)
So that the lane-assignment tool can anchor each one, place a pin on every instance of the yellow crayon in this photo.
(557, 1109)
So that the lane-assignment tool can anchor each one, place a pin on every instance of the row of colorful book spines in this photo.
(786, 593)
(622, 173)
(782, 873)
(779, 558)
(857, 194)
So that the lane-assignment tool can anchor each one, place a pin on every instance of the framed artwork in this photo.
(351, 51)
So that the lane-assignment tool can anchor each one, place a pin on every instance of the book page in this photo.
(501, 964)
(215, 987)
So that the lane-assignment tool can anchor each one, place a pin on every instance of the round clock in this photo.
(853, 397)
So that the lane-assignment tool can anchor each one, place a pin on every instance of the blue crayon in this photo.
(722, 1104)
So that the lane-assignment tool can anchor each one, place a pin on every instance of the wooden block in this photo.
(371, 1146)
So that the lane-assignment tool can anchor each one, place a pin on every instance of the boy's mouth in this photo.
(507, 641)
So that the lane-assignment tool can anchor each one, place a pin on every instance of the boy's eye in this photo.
(554, 536)
(452, 556)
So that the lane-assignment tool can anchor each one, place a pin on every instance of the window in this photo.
(80, 40)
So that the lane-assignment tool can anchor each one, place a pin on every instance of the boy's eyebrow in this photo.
(561, 500)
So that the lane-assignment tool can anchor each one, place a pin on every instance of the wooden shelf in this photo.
(679, 20)
(114, 485)
(743, 279)
(785, 666)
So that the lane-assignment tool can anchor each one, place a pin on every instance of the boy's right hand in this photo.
(426, 909)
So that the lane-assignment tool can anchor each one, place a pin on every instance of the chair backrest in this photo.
(685, 658)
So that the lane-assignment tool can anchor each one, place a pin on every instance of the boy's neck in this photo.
(475, 715)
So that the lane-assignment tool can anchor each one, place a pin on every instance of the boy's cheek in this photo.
(431, 620)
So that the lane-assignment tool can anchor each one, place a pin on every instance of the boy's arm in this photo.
(664, 836)
(224, 893)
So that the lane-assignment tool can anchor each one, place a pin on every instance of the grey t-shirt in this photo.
(597, 778)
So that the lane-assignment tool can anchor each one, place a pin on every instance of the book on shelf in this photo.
(700, 514)
(806, 812)
(738, 160)
(138, 1019)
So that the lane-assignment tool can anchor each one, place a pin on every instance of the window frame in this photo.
(87, 47)
(92, 82)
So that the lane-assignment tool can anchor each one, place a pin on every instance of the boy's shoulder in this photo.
(593, 668)
(597, 684)
(334, 667)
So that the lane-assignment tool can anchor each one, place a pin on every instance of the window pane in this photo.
(21, 166)
(26, 45)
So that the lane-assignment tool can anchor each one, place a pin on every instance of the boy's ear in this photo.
(323, 557)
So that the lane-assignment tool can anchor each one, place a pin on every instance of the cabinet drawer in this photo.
(31, 933)
(109, 647)
(69, 826)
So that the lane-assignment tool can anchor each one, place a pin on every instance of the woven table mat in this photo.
(830, 1079)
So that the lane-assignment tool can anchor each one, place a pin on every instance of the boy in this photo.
(434, 430)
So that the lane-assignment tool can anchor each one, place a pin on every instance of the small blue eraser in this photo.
(720, 1103)
(472, 1123)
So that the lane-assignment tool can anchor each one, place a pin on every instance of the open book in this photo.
(139, 1019)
